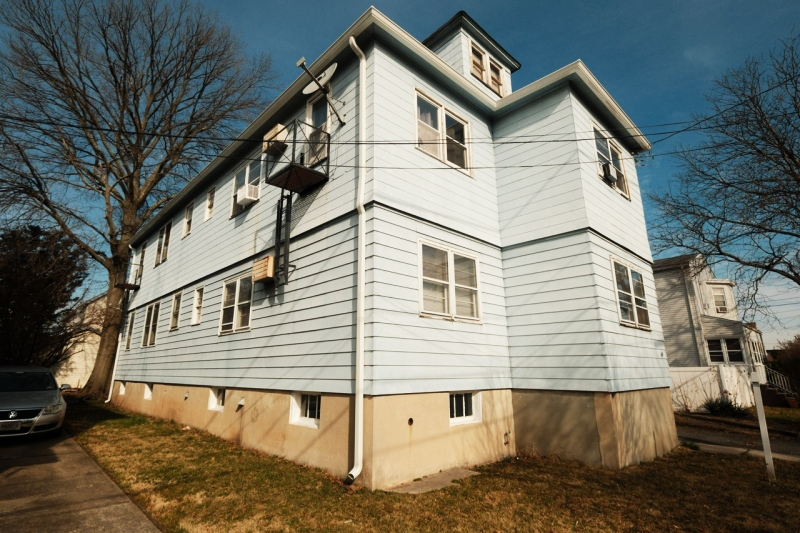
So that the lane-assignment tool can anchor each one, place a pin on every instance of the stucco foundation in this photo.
(603, 429)
(394, 450)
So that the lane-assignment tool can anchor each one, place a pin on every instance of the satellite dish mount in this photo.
(318, 84)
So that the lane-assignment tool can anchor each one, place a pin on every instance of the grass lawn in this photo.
(192, 481)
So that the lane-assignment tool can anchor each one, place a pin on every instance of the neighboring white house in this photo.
(710, 351)
(76, 370)
(468, 270)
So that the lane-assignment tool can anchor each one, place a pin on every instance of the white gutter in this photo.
(358, 430)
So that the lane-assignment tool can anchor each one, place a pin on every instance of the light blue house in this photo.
(468, 270)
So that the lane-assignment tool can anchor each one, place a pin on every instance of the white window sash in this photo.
(237, 307)
(452, 305)
(175, 314)
(210, 202)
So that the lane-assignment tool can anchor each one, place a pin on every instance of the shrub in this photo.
(724, 407)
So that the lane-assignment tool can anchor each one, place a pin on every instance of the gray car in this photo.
(30, 401)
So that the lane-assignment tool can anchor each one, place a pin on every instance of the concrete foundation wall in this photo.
(602, 429)
(394, 450)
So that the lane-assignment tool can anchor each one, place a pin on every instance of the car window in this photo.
(26, 381)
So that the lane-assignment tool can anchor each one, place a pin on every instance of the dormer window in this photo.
(487, 70)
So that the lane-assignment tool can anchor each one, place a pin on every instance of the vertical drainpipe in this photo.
(358, 431)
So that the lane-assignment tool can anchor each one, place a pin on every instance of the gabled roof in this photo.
(463, 20)
(372, 24)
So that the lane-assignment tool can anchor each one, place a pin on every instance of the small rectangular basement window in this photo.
(305, 409)
(216, 399)
(465, 408)
(148, 391)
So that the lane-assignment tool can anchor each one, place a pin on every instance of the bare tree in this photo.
(106, 109)
(737, 198)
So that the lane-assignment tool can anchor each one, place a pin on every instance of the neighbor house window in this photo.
(250, 175)
(725, 351)
(449, 282)
(197, 307)
(187, 219)
(432, 120)
(630, 296)
(175, 316)
(163, 243)
(216, 399)
(720, 303)
(150, 325)
(609, 163)
(464, 408)
(236, 301)
(305, 410)
(129, 330)
(210, 202)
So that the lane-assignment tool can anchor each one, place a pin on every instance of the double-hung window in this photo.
(197, 307)
(175, 316)
(720, 303)
(187, 219)
(478, 59)
(237, 297)
(210, 202)
(150, 325)
(317, 118)
(630, 296)
(129, 330)
(437, 127)
(609, 163)
(249, 175)
(725, 351)
(486, 70)
(163, 243)
(449, 283)
(495, 78)
(138, 268)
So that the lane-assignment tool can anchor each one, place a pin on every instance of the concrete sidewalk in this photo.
(53, 485)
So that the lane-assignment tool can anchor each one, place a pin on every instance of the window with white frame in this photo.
(317, 119)
(129, 329)
(237, 297)
(216, 399)
(449, 283)
(728, 351)
(465, 407)
(163, 243)
(150, 325)
(631, 296)
(138, 265)
(210, 202)
(197, 307)
(175, 316)
(305, 410)
(187, 219)
(249, 175)
(609, 163)
(720, 302)
(432, 120)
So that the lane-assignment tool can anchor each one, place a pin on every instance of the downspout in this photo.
(358, 430)
(119, 343)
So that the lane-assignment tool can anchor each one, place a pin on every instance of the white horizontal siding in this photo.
(410, 353)
(676, 319)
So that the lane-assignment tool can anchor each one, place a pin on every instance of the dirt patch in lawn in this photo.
(192, 481)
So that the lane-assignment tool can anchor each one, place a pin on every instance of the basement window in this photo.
(122, 388)
(305, 409)
(465, 408)
(148, 391)
(216, 399)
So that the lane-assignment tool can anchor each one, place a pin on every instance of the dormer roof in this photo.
(463, 20)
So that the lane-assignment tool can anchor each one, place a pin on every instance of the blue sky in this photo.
(656, 58)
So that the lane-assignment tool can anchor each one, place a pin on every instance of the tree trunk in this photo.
(99, 382)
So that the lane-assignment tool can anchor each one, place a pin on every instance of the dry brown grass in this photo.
(194, 482)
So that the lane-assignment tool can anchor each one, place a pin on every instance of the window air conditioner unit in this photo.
(247, 194)
(722, 309)
(275, 141)
(609, 173)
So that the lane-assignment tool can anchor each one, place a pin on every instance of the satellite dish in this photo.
(321, 80)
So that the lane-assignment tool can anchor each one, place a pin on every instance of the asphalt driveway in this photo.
(51, 484)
